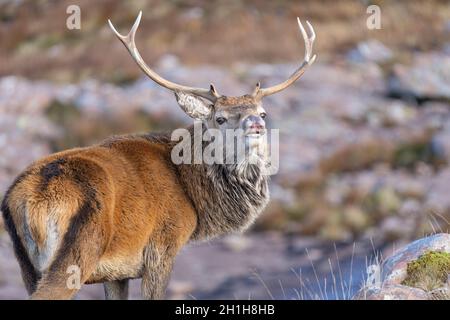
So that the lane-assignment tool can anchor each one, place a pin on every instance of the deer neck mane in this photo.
(227, 197)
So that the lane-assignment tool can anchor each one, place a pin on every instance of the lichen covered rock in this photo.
(392, 292)
(420, 271)
(395, 268)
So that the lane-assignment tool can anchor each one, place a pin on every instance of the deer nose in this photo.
(255, 123)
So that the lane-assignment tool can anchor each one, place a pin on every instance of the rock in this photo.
(169, 62)
(414, 188)
(314, 254)
(440, 144)
(285, 196)
(393, 228)
(446, 48)
(394, 269)
(178, 290)
(392, 292)
(237, 242)
(440, 293)
(410, 208)
(389, 114)
(437, 202)
(447, 26)
(420, 271)
(195, 13)
(370, 51)
(428, 77)
(397, 114)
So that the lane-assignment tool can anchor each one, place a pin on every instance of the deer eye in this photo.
(263, 115)
(221, 120)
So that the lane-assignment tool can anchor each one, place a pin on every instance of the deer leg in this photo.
(116, 290)
(157, 268)
(160, 253)
(78, 254)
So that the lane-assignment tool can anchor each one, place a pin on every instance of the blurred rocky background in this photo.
(364, 135)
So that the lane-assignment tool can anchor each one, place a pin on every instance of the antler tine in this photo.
(308, 40)
(129, 42)
(308, 60)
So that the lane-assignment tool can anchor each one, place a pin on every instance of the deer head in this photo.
(215, 110)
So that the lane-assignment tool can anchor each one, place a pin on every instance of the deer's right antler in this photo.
(129, 42)
(308, 60)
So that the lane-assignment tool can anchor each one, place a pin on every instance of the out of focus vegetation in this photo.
(35, 42)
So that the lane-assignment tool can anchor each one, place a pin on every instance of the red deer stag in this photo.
(122, 209)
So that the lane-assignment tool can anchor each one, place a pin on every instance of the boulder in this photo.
(419, 271)
(370, 51)
(392, 292)
(394, 269)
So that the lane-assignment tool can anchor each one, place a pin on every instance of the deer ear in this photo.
(194, 106)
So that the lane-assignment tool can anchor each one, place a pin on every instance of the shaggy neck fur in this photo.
(227, 198)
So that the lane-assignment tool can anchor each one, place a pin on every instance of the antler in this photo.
(308, 60)
(128, 40)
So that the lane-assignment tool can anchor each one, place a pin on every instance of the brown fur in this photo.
(233, 102)
(112, 200)
(121, 210)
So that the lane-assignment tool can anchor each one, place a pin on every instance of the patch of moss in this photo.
(429, 272)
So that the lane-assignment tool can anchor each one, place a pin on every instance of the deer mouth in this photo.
(255, 133)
